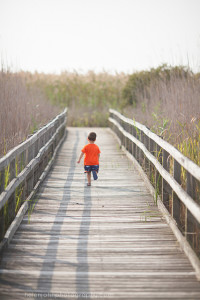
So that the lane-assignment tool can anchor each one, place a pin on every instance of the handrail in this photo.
(5, 160)
(164, 165)
(22, 167)
(185, 162)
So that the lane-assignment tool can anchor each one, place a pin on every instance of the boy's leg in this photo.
(89, 177)
(95, 170)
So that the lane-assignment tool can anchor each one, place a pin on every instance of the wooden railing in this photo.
(175, 178)
(22, 169)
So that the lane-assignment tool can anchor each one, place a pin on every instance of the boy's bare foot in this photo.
(89, 184)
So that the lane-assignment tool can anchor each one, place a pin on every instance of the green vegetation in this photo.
(18, 198)
(139, 82)
(7, 177)
(166, 99)
(32, 203)
(190, 146)
(88, 96)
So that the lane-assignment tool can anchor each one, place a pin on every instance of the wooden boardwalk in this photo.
(108, 241)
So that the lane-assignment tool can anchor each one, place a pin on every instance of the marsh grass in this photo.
(18, 198)
(167, 100)
(87, 96)
(32, 203)
(7, 176)
(148, 215)
(24, 107)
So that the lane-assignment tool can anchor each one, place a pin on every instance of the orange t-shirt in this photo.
(91, 154)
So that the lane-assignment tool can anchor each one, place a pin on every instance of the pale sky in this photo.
(112, 35)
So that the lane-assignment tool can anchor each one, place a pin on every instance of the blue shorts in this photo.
(91, 168)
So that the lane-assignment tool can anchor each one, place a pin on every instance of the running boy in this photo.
(91, 160)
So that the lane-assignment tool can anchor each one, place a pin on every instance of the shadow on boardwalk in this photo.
(82, 282)
(95, 243)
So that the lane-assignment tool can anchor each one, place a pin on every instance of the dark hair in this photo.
(92, 136)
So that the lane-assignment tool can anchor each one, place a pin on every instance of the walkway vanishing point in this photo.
(107, 241)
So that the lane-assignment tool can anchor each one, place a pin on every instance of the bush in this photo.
(139, 82)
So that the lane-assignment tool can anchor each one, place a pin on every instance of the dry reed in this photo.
(168, 103)
(170, 106)
(23, 109)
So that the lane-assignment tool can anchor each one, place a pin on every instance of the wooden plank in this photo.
(14, 225)
(4, 196)
(181, 239)
(191, 205)
(106, 241)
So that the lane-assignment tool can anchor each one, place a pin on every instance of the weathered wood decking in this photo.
(108, 241)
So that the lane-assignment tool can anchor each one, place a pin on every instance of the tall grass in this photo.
(23, 109)
(88, 97)
(167, 100)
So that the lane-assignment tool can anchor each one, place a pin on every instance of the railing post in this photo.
(30, 153)
(2, 180)
(12, 200)
(151, 168)
(36, 148)
(139, 152)
(142, 156)
(146, 161)
(158, 181)
(166, 190)
(11, 208)
(176, 206)
(130, 142)
(133, 144)
(2, 221)
(123, 137)
(30, 182)
(12, 170)
(173, 201)
(126, 139)
(12, 166)
(42, 140)
(191, 233)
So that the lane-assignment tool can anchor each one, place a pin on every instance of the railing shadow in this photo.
(82, 280)
(57, 226)
(49, 258)
(81, 267)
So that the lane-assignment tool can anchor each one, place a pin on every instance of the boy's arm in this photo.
(80, 157)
